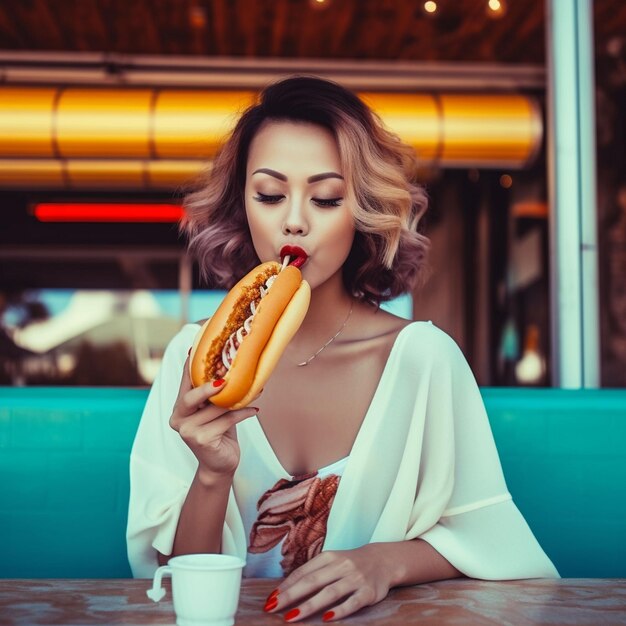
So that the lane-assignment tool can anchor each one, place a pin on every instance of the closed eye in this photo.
(261, 197)
(327, 201)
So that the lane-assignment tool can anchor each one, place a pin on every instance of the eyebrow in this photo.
(312, 179)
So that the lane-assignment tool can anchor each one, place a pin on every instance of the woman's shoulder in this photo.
(427, 331)
(397, 338)
(384, 328)
(425, 341)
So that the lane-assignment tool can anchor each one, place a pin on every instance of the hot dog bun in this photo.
(277, 317)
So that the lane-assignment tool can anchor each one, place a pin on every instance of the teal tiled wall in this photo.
(64, 476)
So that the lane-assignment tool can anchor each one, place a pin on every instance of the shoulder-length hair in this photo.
(388, 256)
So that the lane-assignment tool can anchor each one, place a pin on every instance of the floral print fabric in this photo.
(297, 511)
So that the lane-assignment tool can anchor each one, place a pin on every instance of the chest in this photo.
(312, 415)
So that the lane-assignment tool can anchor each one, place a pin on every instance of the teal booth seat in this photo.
(64, 476)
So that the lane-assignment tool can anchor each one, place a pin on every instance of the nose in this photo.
(295, 222)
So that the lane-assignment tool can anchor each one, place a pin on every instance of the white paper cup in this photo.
(205, 588)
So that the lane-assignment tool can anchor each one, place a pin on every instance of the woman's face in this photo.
(295, 197)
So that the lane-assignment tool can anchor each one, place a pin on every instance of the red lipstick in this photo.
(297, 254)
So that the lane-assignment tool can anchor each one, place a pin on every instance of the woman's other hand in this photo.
(208, 430)
(336, 582)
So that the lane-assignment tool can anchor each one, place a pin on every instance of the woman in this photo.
(367, 461)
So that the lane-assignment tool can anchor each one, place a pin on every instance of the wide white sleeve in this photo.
(481, 531)
(162, 468)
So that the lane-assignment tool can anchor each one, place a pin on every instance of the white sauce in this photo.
(230, 350)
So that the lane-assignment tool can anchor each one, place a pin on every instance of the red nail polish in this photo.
(272, 595)
(219, 382)
(292, 614)
(272, 603)
(328, 616)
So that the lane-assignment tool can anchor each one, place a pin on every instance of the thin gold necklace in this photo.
(331, 339)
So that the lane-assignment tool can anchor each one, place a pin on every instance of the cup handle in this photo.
(157, 592)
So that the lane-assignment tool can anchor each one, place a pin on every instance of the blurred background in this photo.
(109, 108)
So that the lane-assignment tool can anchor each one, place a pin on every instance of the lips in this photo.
(297, 254)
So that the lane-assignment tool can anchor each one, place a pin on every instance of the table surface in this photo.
(460, 602)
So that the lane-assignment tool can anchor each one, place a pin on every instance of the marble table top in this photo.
(462, 602)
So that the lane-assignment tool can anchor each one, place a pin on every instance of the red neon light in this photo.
(61, 212)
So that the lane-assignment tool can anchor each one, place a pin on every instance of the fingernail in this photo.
(292, 614)
(272, 595)
(256, 408)
(270, 604)
(328, 616)
(189, 353)
(219, 382)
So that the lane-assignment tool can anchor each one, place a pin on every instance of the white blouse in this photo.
(424, 464)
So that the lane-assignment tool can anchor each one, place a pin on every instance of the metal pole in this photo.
(572, 191)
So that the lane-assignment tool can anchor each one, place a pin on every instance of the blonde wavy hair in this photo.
(389, 253)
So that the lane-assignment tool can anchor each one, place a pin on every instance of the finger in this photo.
(197, 397)
(191, 403)
(353, 603)
(205, 428)
(327, 598)
(203, 414)
(302, 584)
(316, 563)
(217, 424)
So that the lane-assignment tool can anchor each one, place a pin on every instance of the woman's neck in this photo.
(329, 307)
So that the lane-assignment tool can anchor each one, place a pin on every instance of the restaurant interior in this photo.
(90, 123)
(109, 111)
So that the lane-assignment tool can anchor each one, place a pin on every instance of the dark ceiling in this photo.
(460, 30)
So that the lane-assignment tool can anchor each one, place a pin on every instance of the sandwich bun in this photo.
(244, 340)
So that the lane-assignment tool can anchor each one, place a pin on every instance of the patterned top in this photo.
(287, 527)
(295, 512)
